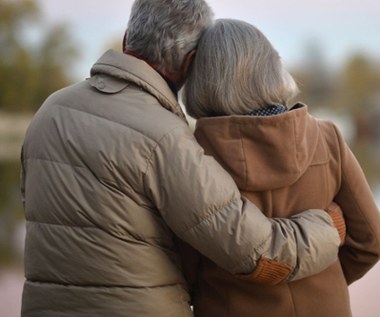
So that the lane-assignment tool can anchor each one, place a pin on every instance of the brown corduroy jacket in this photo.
(284, 164)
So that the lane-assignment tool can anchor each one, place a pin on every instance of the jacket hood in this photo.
(263, 152)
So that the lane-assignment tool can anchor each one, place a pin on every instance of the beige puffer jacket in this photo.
(110, 171)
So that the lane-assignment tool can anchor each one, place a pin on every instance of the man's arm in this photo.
(202, 205)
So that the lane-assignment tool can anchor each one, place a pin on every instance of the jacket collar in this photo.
(122, 67)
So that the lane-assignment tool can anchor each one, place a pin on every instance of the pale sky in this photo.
(339, 27)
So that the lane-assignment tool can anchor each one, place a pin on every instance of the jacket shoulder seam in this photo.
(156, 146)
(105, 118)
(212, 212)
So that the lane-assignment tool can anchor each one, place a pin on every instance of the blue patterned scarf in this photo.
(268, 110)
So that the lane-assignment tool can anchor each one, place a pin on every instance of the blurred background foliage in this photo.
(31, 68)
(35, 61)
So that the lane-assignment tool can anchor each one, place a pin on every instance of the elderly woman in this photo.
(284, 160)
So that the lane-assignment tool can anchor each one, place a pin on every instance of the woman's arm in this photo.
(361, 250)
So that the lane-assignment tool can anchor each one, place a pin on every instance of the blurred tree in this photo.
(29, 72)
(10, 210)
(54, 58)
(358, 91)
(358, 82)
(34, 60)
(357, 88)
(314, 77)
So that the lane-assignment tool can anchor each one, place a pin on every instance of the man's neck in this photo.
(167, 76)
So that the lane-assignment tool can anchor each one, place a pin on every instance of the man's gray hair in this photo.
(162, 32)
(235, 70)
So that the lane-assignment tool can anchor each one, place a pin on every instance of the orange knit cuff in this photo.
(336, 215)
(269, 272)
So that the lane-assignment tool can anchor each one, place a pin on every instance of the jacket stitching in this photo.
(244, 157)
(296, 145)
(340, 155)
(62, 225)
(211, 212)
(250, 259)
(100, 285)
(111, 185)
(149, 160)
(52, 161)
(107, 119)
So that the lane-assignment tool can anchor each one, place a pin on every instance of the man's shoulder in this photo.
(160, 122)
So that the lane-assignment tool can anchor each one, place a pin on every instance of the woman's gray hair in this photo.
(162, 32)
(235, 70)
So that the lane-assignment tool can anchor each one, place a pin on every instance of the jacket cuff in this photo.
(336, 215)
(269, 272)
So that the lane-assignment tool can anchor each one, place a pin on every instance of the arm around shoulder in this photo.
(202, 205)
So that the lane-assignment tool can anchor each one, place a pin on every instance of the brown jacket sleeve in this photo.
(361, 250)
